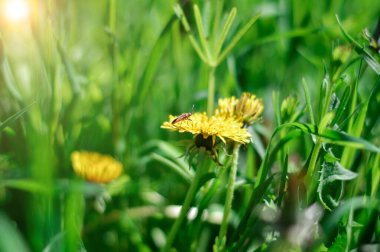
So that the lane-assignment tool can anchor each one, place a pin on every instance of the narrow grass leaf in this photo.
(14, 117)
(226, 28)
(153, 62)
(71, 75)
(187, 176)
(342, 106)
(27, 185)
(9, 80)
(332, 136)
(308, 100)
(237, 37)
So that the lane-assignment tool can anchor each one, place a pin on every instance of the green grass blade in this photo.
(153, 62)
(14, 117)
(9, 80)
(237, 37)
(333, 136)
(308, 100)
(71, 75)
(184, 173)
(226, 28)
(27, 185)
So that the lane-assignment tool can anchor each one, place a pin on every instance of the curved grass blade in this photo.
(332, 136)
(184, 173)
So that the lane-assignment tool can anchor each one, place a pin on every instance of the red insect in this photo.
(183, 116)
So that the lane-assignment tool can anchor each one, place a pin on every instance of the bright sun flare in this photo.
(16, 10)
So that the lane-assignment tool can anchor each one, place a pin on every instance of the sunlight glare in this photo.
(16, 10)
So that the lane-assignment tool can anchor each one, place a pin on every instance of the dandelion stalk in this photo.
(201, 170)
(221, 240)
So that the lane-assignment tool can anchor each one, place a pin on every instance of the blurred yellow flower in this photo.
(246, 110)
(95, 167)
(199, 124)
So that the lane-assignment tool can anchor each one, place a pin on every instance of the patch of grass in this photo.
(104, 76)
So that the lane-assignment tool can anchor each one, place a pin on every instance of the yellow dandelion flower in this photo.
(199, 124)
(247, 109)
(95, 167)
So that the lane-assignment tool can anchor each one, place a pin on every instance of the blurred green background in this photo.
(104, 75)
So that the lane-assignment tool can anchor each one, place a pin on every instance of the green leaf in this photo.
(335, 171)
(330, 188)
(339, 244)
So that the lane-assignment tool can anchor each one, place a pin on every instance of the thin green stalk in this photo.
(221, 240)
(211, 91)
(308, 100)
(325, 120)
(115, 96)
(311, 170)
(201, 170)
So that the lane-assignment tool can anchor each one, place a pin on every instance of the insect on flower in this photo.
(183, 116)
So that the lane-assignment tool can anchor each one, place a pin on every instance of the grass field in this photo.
(186, 125)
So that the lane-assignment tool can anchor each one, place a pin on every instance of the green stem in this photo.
(221, 240)
(211, 91)
(311, 172)
(201, 170)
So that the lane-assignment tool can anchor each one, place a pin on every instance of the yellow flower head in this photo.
(199, 124)
(245, 110)
(95, 167)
